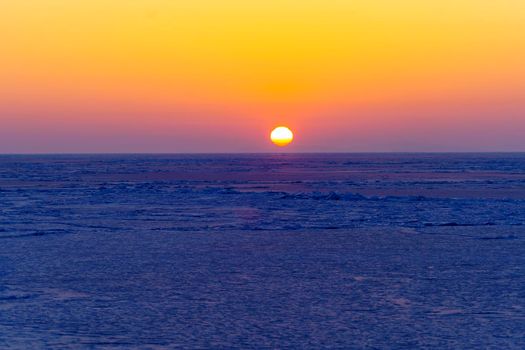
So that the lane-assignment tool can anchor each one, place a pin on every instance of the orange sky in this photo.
(209, 75)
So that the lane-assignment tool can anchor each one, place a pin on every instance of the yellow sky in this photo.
(261, 57)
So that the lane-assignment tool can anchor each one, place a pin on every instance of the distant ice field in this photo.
(262, 251)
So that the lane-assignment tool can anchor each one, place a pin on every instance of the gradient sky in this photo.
(218, 75)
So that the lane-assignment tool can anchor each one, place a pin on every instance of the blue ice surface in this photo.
(287, 251)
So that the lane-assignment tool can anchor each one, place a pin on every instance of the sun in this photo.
(281, 136)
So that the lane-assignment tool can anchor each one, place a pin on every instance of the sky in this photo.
(218, 75)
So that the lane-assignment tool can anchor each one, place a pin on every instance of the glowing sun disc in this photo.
(281, 136)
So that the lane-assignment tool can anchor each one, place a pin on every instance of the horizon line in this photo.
(256, 153)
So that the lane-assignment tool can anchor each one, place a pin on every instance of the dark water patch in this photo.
(16, 297)
(35, 234)
(331, 196)
(506, 237)
(457, 224)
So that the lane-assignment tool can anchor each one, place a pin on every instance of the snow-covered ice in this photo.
(263, 251)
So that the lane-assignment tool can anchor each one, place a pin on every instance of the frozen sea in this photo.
(287, 251)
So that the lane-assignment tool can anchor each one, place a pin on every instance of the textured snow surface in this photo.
(263, 251)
